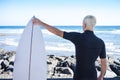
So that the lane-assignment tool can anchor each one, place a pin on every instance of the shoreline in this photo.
(57, 66)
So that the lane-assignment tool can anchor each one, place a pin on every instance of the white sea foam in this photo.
(112, 48)
(53, 48)
(46, 32)
(115, 31)
(109, 32)
(9, 42)
(11, 31)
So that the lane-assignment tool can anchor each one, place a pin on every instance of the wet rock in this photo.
(48, 62)
(62, 64)
(115, 69)
(63, 72)
(117, 62)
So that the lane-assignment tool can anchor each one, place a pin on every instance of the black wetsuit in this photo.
(88, 48)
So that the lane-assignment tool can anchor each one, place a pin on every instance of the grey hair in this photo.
(89, 20)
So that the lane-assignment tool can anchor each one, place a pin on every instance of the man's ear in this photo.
(84, 26)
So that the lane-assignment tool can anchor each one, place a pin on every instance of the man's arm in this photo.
(103, 68)
(48, 27)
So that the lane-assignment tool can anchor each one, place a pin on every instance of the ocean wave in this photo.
(9, 42)
(60, 46)
(109, 32)
(11, 31)
(53, 48)
(46, 32)
(112, 48)
(116, 32)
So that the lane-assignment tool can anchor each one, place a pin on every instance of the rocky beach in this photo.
(58, 66)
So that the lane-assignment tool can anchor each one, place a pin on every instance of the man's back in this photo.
(88, 48)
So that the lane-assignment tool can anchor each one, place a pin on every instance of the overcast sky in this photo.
(59, 12)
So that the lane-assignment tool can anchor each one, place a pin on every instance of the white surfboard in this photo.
(30, 60)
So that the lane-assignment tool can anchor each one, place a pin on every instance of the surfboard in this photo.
(30, 60)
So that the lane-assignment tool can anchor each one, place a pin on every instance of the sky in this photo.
(59, 12)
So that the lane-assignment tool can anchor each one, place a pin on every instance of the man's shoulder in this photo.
(71, 35)
(100, 40)
(77, 33)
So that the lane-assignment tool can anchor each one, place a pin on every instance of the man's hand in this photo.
(36, 21)
(100, 78)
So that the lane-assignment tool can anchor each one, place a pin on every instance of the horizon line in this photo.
(57, 25)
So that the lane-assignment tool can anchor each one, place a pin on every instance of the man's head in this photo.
(89, 22)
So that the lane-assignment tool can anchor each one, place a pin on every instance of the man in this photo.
(88, 47)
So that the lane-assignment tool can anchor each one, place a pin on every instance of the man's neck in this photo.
(88, 30)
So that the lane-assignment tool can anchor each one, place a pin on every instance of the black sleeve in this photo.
(70, 36)
(103, 52)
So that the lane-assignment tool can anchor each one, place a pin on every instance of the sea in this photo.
(11, 35)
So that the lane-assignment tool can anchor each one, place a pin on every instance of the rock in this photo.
(63, 72)
(58, 67)
(98, 68)
(9, 69)
(11, 63)
(51, 56)
(109, 72)
(117, 62)
(67, 70)
(3, 65)
(48, 62)
(71, 62)
(59, 59)
(2, 51)
(2, 56)
(62, 64)
(6, 62)
(110, 58)
(98, 65)
(115, 69)
(51, 60)
(72, 67)
(72, 56)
